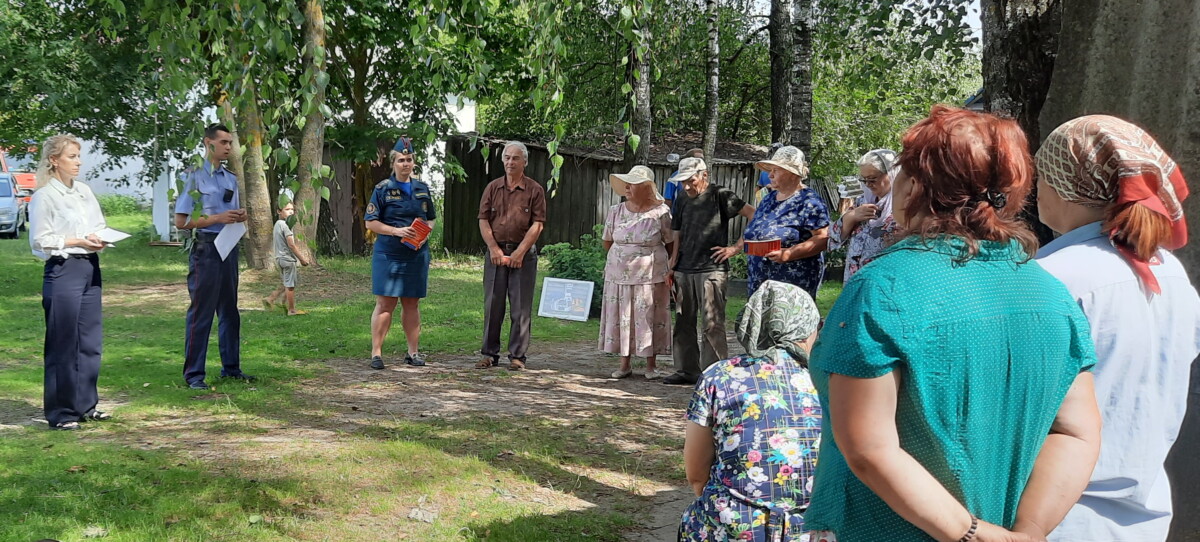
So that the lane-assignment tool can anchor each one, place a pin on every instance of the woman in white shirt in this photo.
(65, 218)
(1116, 197)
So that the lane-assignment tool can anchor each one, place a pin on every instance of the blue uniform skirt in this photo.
(404, 274)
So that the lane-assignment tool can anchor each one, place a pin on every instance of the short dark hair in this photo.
(211, 130)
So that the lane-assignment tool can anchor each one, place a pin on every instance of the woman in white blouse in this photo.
(65, 218)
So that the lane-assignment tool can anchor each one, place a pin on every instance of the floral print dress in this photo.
(867, 240)
(766, 421)
(635, 319)
(792, 221)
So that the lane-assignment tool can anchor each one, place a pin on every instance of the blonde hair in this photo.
(54, 147)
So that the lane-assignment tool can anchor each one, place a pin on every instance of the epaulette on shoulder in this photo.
(382, 183)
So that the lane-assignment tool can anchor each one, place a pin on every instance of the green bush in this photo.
(582, 262)
(739, 266)
(119, 205)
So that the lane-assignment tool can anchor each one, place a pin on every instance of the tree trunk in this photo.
(638, 75)
(360, 109)
(257, 198)
(712, 81)
(800, 134)
(234, 164)
(312, 142)
(1020, 43)
(780, 35)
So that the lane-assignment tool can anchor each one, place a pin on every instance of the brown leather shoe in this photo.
(487, 363)
(516, 364)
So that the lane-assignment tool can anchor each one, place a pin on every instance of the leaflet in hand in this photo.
(109, 236)
(421, 232)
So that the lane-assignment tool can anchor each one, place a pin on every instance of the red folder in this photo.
(421, 232)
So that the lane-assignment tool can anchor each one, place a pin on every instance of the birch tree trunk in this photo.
(257, 198)
(312, 141)
(800, 134)
(712, 81)
(638, 75)
(780, 36)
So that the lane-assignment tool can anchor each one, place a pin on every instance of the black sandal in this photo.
(65, 426)
(97, 416)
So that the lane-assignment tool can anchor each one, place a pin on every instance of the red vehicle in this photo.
(22, 169)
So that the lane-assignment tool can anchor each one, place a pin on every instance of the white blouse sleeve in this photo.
(42, 238)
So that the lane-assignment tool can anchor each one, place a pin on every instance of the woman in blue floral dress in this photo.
(797, 216)
(754, 426)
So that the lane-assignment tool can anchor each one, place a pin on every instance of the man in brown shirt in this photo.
(512, 213)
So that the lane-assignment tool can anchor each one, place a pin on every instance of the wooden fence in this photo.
(580, 200)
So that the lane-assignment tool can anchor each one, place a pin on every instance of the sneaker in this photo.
(376, 362)
(618, 374)
(198, 385)
(240, 376)
(416, 360)
(96, 416)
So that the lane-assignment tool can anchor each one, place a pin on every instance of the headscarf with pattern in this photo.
(777, 316)
(1099, 160)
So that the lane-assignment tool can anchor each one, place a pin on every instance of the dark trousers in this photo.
(516, 286)
(74, 337)
(699, 295)
(213, 286)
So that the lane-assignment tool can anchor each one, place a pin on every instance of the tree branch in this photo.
(745, 43)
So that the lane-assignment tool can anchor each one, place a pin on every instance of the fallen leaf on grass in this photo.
(146, 385)
(505, 453)
(77, 468)
(95, 531)
(255, 519)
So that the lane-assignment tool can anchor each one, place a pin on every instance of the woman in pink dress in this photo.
(636, 315)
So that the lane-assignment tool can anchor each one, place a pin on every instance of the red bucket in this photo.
(763, 247)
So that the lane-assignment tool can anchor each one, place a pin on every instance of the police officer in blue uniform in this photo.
(208, 202)
(399, 272)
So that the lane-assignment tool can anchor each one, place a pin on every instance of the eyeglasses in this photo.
(869, 181)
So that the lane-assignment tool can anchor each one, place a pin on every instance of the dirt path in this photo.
(565, 384)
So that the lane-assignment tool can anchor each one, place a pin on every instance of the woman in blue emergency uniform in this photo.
(398, 272)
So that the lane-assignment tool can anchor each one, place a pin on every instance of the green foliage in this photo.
(585, 261)
(739, 266)
(88, 75)
(119, 205)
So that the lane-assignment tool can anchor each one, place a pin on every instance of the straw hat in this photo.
(787, 158)
(639, 174)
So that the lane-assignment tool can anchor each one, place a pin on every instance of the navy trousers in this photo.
(213, 286)
(74, 337)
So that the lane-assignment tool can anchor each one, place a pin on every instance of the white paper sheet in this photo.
(110, 236)
(229, 237)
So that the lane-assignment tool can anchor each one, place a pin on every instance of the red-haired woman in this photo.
(953, 369)
(1116, 196)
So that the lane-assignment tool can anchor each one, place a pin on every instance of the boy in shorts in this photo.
(286, 257)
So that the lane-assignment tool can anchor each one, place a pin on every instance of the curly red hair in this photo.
(972, 174)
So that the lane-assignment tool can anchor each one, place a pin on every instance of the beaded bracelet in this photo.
(971, 532)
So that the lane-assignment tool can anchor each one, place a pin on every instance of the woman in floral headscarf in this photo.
(754, 426)
(1116, 196)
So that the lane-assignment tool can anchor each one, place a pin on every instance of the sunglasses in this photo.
(869, 181)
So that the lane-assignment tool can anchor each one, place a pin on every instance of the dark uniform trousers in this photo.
(516, 286)
(213, 286)
(74, 336)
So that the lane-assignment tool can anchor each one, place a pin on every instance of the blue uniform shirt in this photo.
(395, 206)
(212, 185)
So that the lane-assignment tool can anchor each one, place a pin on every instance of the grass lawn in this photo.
(288, 457)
